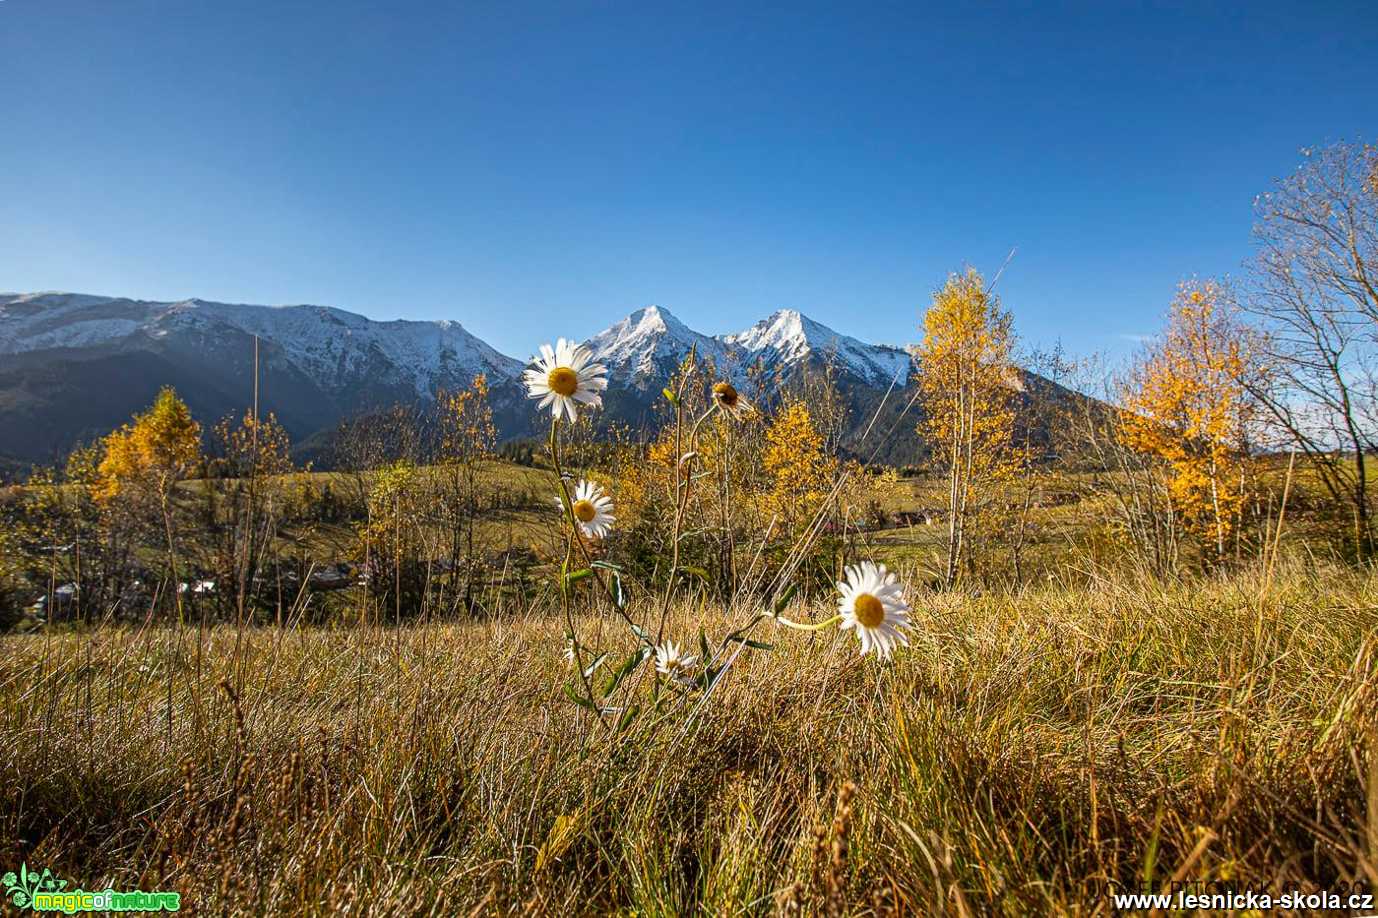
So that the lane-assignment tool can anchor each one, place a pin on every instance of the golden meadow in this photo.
(1113, 634)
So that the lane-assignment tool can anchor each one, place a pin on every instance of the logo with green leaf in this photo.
(21, 888)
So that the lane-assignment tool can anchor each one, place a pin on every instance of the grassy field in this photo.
(524, 522)
(1027, 751)
(526, 518)
(1065, 519)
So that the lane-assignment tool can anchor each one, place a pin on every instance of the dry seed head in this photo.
(726, 394)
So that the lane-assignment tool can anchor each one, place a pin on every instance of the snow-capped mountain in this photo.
(73, 366)
(788, 337)
(649, 343)
(334, 348)
(642, 349)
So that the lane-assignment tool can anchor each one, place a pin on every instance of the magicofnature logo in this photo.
(43, 892)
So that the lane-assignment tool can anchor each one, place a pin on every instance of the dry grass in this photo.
(1024, 752)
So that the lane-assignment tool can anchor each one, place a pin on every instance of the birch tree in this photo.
(967, 386)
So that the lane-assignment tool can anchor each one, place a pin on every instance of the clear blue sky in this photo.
(541, 169)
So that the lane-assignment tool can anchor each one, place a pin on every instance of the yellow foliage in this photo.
(966, 375)
(395, 508)
(255, 446)
(800, 470)
(967, 382)
(160, 447)
(645, 487)
(1187, 406)
(467, 428)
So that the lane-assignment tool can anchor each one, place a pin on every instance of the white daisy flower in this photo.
(872, 602)
(673, 662)
(566, 377)
(592, 509)
(726, 397)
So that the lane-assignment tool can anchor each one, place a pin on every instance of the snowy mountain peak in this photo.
(787, 336)
(656, 320)
(788, 333)
(788, 318)
(647, 342)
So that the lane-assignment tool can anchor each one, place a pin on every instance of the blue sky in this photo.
(534, 170)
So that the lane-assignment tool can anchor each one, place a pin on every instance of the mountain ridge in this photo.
(73, 366)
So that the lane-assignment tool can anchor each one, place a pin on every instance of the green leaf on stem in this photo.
(626, 669)
(578, 699)
(619, 595)
(783, 602)
(593, 667)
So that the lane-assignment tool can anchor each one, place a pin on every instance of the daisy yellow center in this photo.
(869, 610)
(563, 381)
(585, 511)
(726, 394)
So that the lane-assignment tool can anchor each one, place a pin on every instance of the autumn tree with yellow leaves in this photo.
(967, 386)
(1188, 405)
(142, 462)
(800, 470)
(392, 538)
(154, 452)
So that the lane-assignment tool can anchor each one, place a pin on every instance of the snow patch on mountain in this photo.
(647, 343)
(333, 347)
(88, 333)
(328, 343)
(339, 350)
(788, 336)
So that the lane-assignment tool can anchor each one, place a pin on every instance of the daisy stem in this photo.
(800, 626)
(682, 485)
(573, 636)
(564, 582)
(575, 537)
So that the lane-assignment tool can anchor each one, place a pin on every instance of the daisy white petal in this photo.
(871, 602)
(671, 661)
(592, 509)
(564, 377)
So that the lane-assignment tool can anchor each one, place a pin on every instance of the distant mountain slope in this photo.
(73, 367)
(642, 350)
(335, 349)
(645, 348)
(788, 338)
